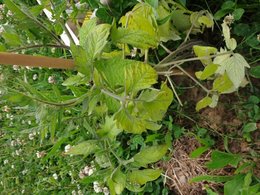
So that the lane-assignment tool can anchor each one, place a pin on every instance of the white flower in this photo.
(80, 192)
(31, 136)
(6, 161)
(24, 171)
(55, 176)
(258, 37)
(51, 79)
(6, 109)
(29, 122)
(18, 152)
(40, 154)
(13, 143)
(81, 174)
(67, 148)
(105, 191)
(12, 166)
(15, 67)
(74, 192)
(9, 13)
(97, 187)
(35, 77)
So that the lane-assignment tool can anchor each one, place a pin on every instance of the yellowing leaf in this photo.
(235, 68)
(206, 21)
(204, 51)
(207, 72)
(222, 84)
(136, 38)
(206, 101)
(93, 38)
(141, 177)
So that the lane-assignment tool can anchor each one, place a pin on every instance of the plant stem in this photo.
(112, 95)
(190, 59)
(192, 78)
(38, 46)
(174, 91)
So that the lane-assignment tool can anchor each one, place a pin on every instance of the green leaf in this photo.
(235, 68)
(221, 159)
(206, 101)
(199, 151)
(118, 182)
(93, 38)
(11, 39)
(249, 127)
(154, 103)
(207, 72)
(211, 178)
(141, 177)
(203, 51)
(84, 148)
(136, 38)
(228, 5)
(73, 80)
(181, 20)
(221, 13)
(149, 155)
(238, 13)
(153, 3)
(130, 123)
(81, 61)
(109, 129)
(133, 75)
(255, 72)
(222, 84)
(234, 186)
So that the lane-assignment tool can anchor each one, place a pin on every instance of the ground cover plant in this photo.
(163, 98)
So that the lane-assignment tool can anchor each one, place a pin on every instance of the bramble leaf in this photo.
(207, 72)
(222, 84)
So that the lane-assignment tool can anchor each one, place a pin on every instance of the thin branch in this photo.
(191, 59)
(38, 46)
(174, 91)
(192, 78)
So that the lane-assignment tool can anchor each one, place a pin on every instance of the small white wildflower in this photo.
(40, 154)
(29, 122)
(12, 166)
(6, 109)
(7, 116)
(31, 136)
(18, 152)
(81, 174)
(16, 67)
(6, 161)
(23, 191)
(11, 117)
(53, 50)
(74, 192)
(55, 176)
(24, 171)
(13, 143)
(258, 37)
(80, 192)
(67, 148)
(90, 171)
(51, 79)
(9, 13)
(105, 191)
(97, 187)
(18, 141)
(133, 52)
(78, 186)
(35, 77)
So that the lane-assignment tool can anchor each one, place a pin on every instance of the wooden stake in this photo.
(35, 61)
